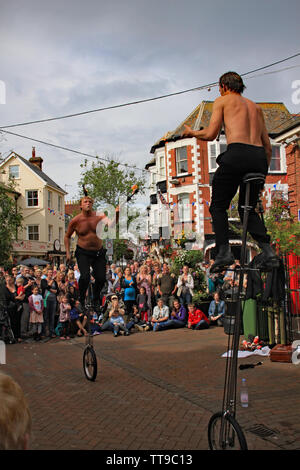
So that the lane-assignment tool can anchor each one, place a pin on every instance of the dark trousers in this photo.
(238, 160)
(96, 260)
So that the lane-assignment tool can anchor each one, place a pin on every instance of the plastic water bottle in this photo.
(244, 394)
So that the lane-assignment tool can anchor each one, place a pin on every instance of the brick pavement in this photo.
(154, 391)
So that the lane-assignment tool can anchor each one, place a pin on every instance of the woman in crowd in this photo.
(49, 292)
(143, 279)
(185, 286)
(178, 315)
(129, 286)
(14, 313)
(157, 272)
(71, 280)
(38, 279)
(61, 285)
(118, 280)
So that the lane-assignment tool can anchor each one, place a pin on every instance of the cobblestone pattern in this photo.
(154, 391)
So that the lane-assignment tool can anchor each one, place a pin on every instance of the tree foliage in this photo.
(282, 227)
(108, 182)
(10, 222)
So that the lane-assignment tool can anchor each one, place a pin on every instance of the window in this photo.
(33, 232)
(275, 164)
(162, 166)
(214, 150)
(50, 199)
(60, 235)
(184, 208)
(14, 171)
(32, 198)
(50, 233)
(59, 203)
(153, 182)
(181, 160)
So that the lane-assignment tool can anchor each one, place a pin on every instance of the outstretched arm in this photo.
(69, 232)
(210, 132)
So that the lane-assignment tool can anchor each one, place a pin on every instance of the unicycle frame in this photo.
(228, 413)
(89, 348)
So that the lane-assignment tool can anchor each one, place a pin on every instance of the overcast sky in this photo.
(71, 56)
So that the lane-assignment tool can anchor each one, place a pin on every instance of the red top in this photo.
(196, 316)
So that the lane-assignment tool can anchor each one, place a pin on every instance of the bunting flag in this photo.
(162, 199)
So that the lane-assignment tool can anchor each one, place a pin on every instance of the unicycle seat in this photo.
(256, 178)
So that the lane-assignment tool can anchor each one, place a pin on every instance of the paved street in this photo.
(154, 391)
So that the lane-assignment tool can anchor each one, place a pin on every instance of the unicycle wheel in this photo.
(90, 363)
(224, 433)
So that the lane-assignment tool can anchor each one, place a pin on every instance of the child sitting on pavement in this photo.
(196, 318)
(116, 315)
(136, 321)
(77, 322)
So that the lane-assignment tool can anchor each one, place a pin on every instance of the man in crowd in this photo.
(167, 286)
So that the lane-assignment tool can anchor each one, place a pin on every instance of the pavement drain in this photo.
(262, 431)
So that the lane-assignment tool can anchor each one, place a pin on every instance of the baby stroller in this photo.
(6, 332)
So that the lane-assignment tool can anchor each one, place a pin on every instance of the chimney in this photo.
(37, 161)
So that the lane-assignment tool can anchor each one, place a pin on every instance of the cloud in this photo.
(71, 56)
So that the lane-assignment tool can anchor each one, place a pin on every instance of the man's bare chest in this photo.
(87, 225)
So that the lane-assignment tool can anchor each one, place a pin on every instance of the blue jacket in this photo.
(221, 308)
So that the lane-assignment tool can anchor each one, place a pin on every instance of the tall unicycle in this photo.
(90, 367)
(224, 432)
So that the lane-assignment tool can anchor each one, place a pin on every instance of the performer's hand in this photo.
(187, 132)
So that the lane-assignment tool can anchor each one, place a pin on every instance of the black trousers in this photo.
(238, 160)
(87, 259)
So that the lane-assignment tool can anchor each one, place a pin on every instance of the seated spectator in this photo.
(185, 286)
(73, 294)
(178, 315)
(15, 417)
(216, 310)
(167, 286)
(116, 317)
(136, 321)
(196, 318)
(77, 320)
(160, 316)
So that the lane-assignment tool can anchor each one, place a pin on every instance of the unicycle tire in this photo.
(90, 363)
(233, 436)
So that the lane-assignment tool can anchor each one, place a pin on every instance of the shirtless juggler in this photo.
(248, 150)
(89, 251)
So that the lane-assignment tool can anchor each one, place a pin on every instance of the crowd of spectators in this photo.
(143, 296)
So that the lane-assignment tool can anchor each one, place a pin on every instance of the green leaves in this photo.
(10, 221)
(108, 182)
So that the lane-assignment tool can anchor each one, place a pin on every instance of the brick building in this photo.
(181, 172)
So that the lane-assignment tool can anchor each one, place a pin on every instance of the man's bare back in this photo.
(243, 121)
